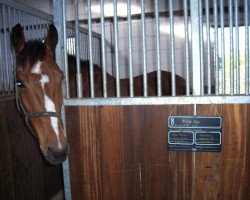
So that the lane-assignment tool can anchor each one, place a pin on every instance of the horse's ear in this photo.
(51, 38)
(17, 38)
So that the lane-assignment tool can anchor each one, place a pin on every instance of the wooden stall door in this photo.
(120, 153)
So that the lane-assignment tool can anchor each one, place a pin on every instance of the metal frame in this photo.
(177, 100)
(197, 57)
(59, 14)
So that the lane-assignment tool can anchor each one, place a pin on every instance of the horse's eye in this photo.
(20, 84)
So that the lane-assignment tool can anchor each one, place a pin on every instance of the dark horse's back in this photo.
(124, 83)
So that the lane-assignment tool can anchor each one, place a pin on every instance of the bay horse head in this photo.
(38, 91)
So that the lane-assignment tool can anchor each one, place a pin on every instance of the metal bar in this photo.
(131, 80)
(77, 50)
(144, 50)
(65, 53)
(59, 23)
(158, 56)
(237, 56)
(1, 60)
(172, 47)
(246, 47)
(231, 48)
(183, 100)
(223, 81)
(103, 46)
(194, 7)
(5, 47)
(186, 47)
(91, 68)
(201, 48)
(216, 56)
(117, 70)
(9, 61)
(12, 62)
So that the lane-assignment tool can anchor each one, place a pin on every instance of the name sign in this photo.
(194, 133)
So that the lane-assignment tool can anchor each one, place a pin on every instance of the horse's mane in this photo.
(32, 52)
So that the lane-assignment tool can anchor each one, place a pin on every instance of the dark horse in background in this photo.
(39, 94)
(124, 83)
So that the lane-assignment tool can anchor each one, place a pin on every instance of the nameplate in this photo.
(194, 133)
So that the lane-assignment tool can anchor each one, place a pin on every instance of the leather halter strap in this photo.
(29, 115)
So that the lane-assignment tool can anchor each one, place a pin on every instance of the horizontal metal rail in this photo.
(177, 100)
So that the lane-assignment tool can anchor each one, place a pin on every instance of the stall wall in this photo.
(120, 152)
(24, 174)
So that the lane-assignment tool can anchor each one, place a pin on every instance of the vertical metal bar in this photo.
(246, 4)
(1, 57)
(12, 23)
(144, 51)
(9, 61)
(186, 47)
(158, 56)
(171, 13)
(231, 48)
(131, 80)
(59, 22)
(91, 70)
(236, 29)
(117, 70)
(104, 71)
(222, 46)
(216, 56)
(5, 48)
(194, 9)
(78, 66)
(201, 47)
(65, 54)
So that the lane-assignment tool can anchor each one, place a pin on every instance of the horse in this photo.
(124, 83)
(38, 91)
(39, 94)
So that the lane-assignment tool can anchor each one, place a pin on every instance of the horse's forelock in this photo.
(32, 52)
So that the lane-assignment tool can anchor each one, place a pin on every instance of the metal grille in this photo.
(35, 25)
(205, 42)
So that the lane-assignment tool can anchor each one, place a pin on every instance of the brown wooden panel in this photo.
(120, 152)
(84, 152)
(248, 154)
(234, 154)
(23, 172)
(206, 166)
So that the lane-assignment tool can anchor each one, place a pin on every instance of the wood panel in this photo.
(23, 172)
(120, 152)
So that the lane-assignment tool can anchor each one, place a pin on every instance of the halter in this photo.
(29, 115)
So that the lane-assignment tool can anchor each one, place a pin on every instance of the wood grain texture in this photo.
(23, 172)
(120, 152)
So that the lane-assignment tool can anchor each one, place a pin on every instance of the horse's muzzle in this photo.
(56, 157)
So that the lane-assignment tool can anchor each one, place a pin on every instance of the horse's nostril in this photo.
(58, 154)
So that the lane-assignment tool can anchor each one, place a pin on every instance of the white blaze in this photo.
(37, 68)
(49, 104)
